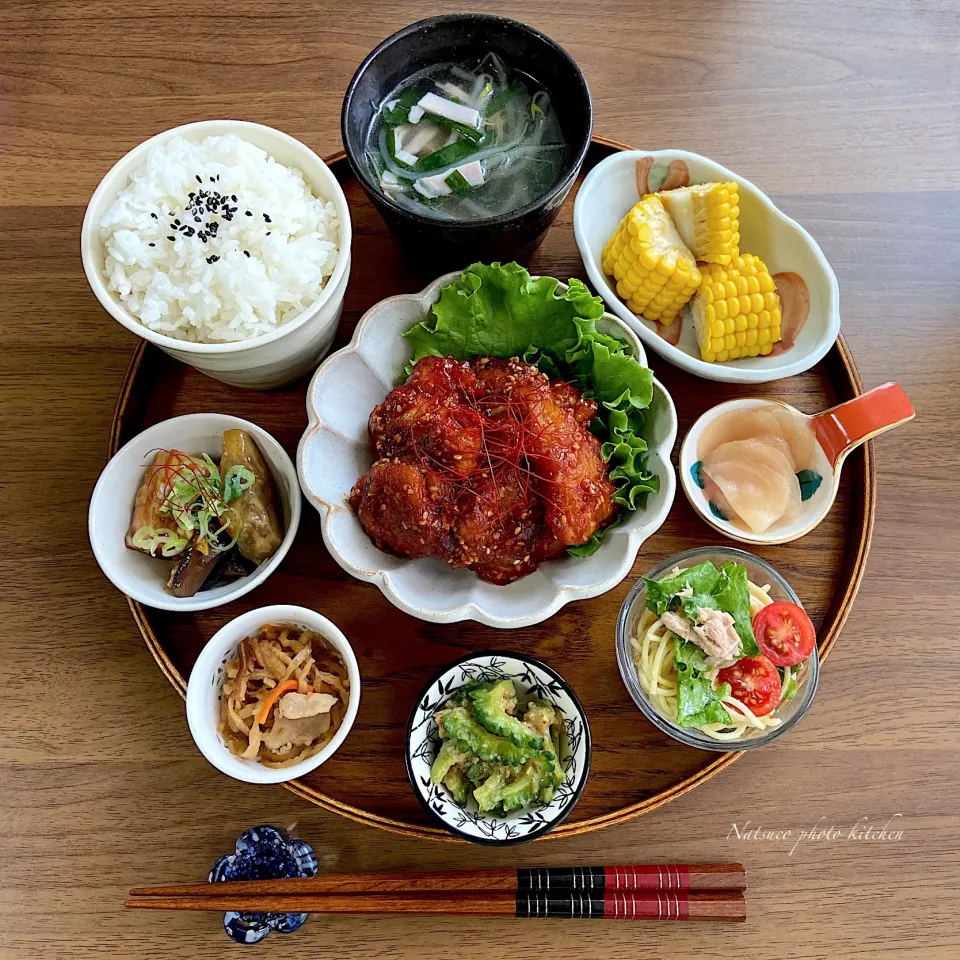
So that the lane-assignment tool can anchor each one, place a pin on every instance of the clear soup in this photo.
(462, 141)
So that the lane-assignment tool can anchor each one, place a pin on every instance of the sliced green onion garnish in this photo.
(163, 540)
(457, 183)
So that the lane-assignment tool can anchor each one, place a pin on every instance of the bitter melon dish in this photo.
(502, 751)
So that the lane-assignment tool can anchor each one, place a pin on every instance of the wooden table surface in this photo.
(847, 114)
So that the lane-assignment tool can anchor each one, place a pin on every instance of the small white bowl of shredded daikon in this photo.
(225, 243)
(205, 690)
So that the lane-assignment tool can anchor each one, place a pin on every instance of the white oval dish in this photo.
(610, 190)
(144, 578)
(205, 688)
(335, 451)
(262, 362)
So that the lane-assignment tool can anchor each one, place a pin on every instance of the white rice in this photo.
(173, 286)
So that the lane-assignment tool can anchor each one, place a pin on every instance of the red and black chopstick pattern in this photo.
(611, 905)
(598, 880)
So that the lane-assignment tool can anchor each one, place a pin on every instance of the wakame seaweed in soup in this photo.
(466, 141)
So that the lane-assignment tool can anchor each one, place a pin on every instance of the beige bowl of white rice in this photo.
(226, 244)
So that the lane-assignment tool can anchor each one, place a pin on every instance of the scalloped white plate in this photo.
(610, 190)
(335, 451)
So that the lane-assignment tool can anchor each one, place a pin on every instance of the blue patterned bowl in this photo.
(532, 678)
(263, 854)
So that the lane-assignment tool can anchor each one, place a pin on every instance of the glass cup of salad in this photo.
(716, 650)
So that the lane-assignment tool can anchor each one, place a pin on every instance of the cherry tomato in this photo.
(755, 682)
(784, 633)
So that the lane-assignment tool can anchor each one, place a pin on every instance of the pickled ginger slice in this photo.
(796, 430)
(770, 452)
(718, 502)
(738, 425)
(758, 494)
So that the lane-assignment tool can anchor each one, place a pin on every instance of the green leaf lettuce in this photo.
(697, 702)
(720, 589)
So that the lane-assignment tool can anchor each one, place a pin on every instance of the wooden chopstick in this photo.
(672, 876)
(718, 905)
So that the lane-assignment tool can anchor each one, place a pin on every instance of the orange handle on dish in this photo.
(846, 426)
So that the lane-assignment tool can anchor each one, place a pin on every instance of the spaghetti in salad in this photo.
(715, 652)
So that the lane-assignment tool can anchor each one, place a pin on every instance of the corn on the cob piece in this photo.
(656, 274)
(736, 310)
(707, 217)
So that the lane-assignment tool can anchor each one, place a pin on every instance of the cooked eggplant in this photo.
(232, 566)
(257, 509)
(191, 572)
(151, 493)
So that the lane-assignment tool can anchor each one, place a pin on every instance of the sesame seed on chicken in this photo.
(486, 464)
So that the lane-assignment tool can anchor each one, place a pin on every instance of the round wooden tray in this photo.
(635, 767)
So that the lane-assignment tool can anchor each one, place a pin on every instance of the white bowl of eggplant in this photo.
(194, 512)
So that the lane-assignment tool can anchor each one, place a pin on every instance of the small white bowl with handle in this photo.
(205, 690)
(274, 358)
(836, 433)
(807, 285)
(144, 578)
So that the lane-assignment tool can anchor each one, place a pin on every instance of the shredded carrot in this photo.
(275, 694)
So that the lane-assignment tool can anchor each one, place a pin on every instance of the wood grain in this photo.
(847, 114)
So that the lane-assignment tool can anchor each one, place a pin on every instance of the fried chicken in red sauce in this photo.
(486, 464)
(429, 419)
(405, 510)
